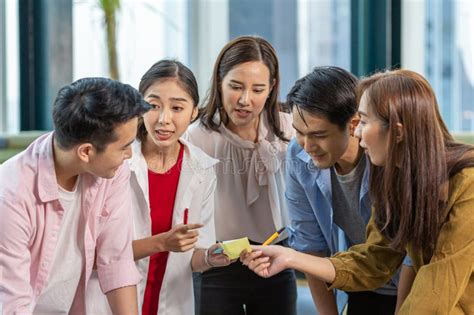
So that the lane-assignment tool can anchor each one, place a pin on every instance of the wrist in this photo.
(206, 259)
(291, 258)
(159, 244)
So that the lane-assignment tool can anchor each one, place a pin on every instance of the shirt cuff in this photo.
(341, 274)
(119, 274)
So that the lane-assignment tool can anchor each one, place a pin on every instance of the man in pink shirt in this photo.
(64, 205)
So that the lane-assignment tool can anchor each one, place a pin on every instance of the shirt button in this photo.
(44, 264)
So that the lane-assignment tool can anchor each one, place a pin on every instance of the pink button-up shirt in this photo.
(30, 219)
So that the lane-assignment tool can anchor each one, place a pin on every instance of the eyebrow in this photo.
(362, 113)
(319, 132)
(257, 84)
(128, 144)
(174, 99)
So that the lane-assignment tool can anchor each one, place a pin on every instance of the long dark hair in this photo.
(165, 70)
(410, 191)
(240, 50)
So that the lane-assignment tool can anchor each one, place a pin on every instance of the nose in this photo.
(245, 98)
(308, 145)
(358, 131)
(165, 116)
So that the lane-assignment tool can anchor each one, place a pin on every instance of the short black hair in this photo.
(329, 92)
(89, 109)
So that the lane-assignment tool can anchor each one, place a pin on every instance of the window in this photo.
(304, 33)
(9, 67)
(147, 31)
(438, 43)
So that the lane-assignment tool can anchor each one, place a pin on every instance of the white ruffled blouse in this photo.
(250, 194)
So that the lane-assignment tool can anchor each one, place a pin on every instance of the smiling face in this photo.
(106, 163)
(245, 89)
(172, 111)
(324, 141)
(373, 134)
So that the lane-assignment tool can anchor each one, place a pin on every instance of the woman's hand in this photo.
(180, 238)
(267, 261)
(217, 260)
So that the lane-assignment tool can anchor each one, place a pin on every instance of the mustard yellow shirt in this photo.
(444, 285)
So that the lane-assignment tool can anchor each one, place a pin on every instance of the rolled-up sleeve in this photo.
(366, 266)
(305, 234)
(16, 293)
(446, 284)
(115, 265)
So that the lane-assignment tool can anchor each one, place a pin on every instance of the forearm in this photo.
(147, 246)
(407, 276)
(323, 298)
(198, 263)
(123, 301)
(320, 268)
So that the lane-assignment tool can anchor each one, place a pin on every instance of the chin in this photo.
(242, 121)
(321, 165)
(376, 162)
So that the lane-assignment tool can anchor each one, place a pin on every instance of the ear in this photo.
(399, 132)
(195, 113)
(85, 152)
(353, 123)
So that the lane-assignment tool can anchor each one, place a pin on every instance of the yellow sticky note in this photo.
(233, 248)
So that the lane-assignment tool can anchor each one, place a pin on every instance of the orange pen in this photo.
(274, 236)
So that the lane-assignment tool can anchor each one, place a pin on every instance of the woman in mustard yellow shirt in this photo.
(422, 188)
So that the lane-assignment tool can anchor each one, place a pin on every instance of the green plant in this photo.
(110, 8)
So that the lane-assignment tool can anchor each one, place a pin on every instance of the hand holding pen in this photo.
(180, 238)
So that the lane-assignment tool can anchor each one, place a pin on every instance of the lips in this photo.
(162, 134)
(318, 156)
(242, 113)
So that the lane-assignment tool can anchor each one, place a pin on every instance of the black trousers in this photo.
(236, 290)
(370, 303)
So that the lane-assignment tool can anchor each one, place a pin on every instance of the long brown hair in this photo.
(240, 50)
(409, 192)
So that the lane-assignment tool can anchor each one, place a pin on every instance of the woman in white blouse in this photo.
(243, 127)
(173, 185)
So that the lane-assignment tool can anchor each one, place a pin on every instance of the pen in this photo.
(185, 218)
(273, 237)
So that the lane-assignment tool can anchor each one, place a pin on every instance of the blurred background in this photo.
(45, 44)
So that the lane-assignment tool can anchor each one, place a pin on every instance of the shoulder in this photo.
(206, 139)
(197, 129)
(18, 175)
(462, 184)
(286, 119)
(286, 123)
(197, 156)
